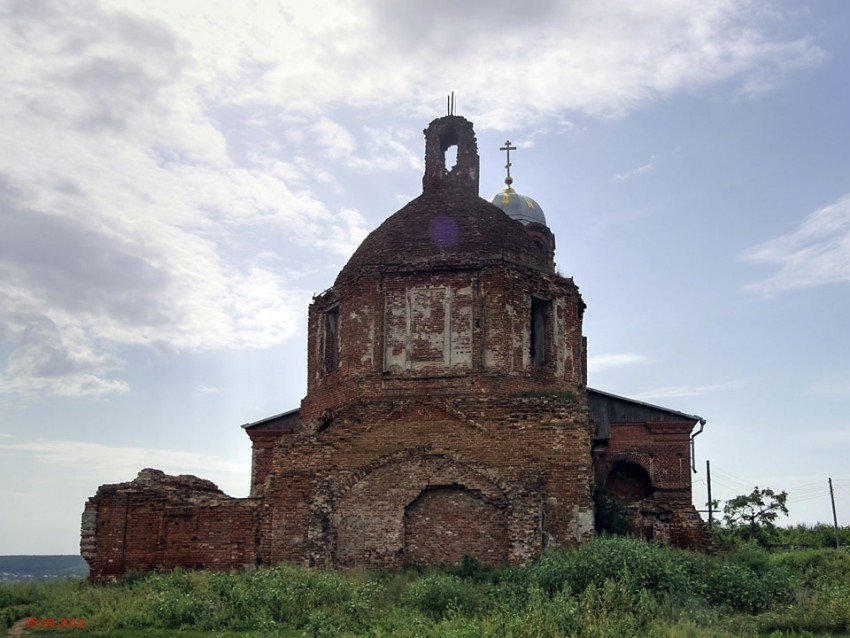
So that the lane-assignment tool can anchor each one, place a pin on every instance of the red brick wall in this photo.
(445, 523)
(161, 521)
(429, 429)
(360, 474)
(384, 455)
(662, 449)
(482, 345)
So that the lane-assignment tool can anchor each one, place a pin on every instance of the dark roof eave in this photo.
(271, 418)
(693, 417)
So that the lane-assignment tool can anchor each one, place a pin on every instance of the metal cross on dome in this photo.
(508, 148)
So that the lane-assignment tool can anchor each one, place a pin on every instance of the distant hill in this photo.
(32, 568)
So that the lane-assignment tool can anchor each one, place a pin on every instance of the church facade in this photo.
(447, 414)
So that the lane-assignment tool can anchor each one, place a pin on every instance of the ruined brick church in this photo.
(447, 413)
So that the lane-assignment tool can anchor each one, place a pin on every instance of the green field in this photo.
(609, 587)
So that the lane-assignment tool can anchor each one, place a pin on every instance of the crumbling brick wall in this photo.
(162, 521)
(664, 511)
(348, 493)
(446, 413)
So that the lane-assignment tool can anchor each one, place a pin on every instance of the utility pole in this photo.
(834, 517)
(710, 502)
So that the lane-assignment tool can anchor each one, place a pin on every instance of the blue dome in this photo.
(519, 207)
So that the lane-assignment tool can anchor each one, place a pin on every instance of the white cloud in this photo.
(640, 170)
(383, 148)
(601, 58)
(667, 392)
(204, 389)
(816, 253)
(150, 147)
(837, 388)
(124, 220)
(336, 140)
(82, 386)
(598, 363)
(104, 463)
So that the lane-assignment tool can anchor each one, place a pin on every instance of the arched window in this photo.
(628, 482)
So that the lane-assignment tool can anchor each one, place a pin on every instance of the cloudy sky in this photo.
(179, 177)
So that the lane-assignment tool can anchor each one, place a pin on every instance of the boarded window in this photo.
(541, 311)
(330, 334)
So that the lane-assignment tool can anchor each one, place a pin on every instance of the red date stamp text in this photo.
(55, 623)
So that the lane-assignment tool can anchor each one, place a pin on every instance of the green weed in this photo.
(611, 586)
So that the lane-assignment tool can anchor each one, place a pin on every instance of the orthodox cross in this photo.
(508, 148)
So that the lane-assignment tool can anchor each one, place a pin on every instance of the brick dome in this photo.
(444, 227)
(449, 224)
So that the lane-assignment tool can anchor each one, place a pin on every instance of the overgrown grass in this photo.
(609, 587)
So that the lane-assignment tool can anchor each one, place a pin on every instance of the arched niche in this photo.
(628, 482)
(447, 522)
(384, 510)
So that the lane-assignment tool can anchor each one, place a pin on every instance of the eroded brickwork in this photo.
(528, 457)
(437, 526)
(446, 414)
(162, 521)
(645, 466)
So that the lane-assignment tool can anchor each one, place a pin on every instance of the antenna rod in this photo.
(710, 502)
(834, 517)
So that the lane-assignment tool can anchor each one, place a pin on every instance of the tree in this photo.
(752, 516)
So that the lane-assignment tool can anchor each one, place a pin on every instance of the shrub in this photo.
(659, 569)
(610, 517)
(616, 608)
(812, 536)
(438, 595)
(610, 586)
(813, 566)
(470, 568)
(748, 580)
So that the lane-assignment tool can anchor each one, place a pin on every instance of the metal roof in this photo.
(694, 417)
(519, 207)
(268, 419)
(609, 409)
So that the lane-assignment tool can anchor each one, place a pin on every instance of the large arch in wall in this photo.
(628, 482)
(630, 485)
(418, 509)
